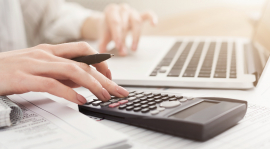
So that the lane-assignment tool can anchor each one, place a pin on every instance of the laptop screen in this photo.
(261, 42)
(261, 38)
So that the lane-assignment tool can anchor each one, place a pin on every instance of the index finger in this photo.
(75, 49)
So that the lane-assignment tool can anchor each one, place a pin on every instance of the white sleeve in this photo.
(53, 21)
(64, 22)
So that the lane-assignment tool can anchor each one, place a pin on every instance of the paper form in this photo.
(47, 124)
(252, 132)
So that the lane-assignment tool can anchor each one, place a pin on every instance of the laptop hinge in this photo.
(253, 62)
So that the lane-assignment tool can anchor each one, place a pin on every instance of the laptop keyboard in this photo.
(220, 70)
(206, 68)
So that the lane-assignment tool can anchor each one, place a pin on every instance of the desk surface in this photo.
(217, 21)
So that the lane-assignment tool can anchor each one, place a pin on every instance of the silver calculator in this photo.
(197, 118)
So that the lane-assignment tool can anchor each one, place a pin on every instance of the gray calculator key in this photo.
(145, 106)
(137, 109)
(179, 97)
(144, 102)
(105, 104)
(137, 105)
(151, 103)
(165, 98)
(154, 112)
(183, 100)
(139, 92)
(122, 107)
(145, 110)
(152, 107)
(172, 99)
(143, 98)
(147, 93)
(164, 95)
(131, 98)
(136, 101)
(96, 103)
(114, 100)
(139, 95)
(170, 104)
(129, 103)
(129, 108)
(151, 99)
(131, 94)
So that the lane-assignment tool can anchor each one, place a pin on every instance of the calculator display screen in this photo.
(193, 109)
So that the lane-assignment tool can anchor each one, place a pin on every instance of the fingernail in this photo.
(122, 91)
(105, 94)
(81, 99)
(109, 74)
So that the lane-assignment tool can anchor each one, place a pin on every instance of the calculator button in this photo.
(179, 97)
(158, 100)
(164, 95)
(171, 96)
(151, 103)
(131, 98)
(190, 98)
(131, 91)
(154, 112)
(145, 110)
(160, 109)
(122, 107)
(136, 101)
(123, 102)
(129, 108)
(113, 97)
(157, 97)
(105, 104)
(114, 105)
(143, 98)
(152, 107)
(172, 99)
(147, 93)
(183, 100)
(114, 100)
(137, 109)
(132, 94)
(138, 92)
(170, 104)
(151, 99)
(96, 103)
(129, 103)
(144, 102)
(165, 98)
(156, 94)
(150, 96)
(139, 96)
(144, 106)
(137, 105)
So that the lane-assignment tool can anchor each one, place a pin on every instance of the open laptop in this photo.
(196, 62)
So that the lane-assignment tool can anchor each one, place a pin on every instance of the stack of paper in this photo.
(10, 113)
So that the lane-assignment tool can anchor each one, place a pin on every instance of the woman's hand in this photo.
(48, 68)
(114, 25)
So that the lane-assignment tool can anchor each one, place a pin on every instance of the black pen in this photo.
(93, 59)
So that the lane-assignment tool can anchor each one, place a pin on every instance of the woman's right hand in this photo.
(48, 68)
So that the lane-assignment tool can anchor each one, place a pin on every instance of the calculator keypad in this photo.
(143, 102)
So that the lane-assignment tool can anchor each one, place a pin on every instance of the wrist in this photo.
(92, 26)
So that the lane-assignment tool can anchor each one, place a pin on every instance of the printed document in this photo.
(48, 124)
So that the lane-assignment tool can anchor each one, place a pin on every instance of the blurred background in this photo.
(194, 17)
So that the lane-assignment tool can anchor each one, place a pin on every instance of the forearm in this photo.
(91, 28)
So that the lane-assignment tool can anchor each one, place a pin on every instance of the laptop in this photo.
(196, 62)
